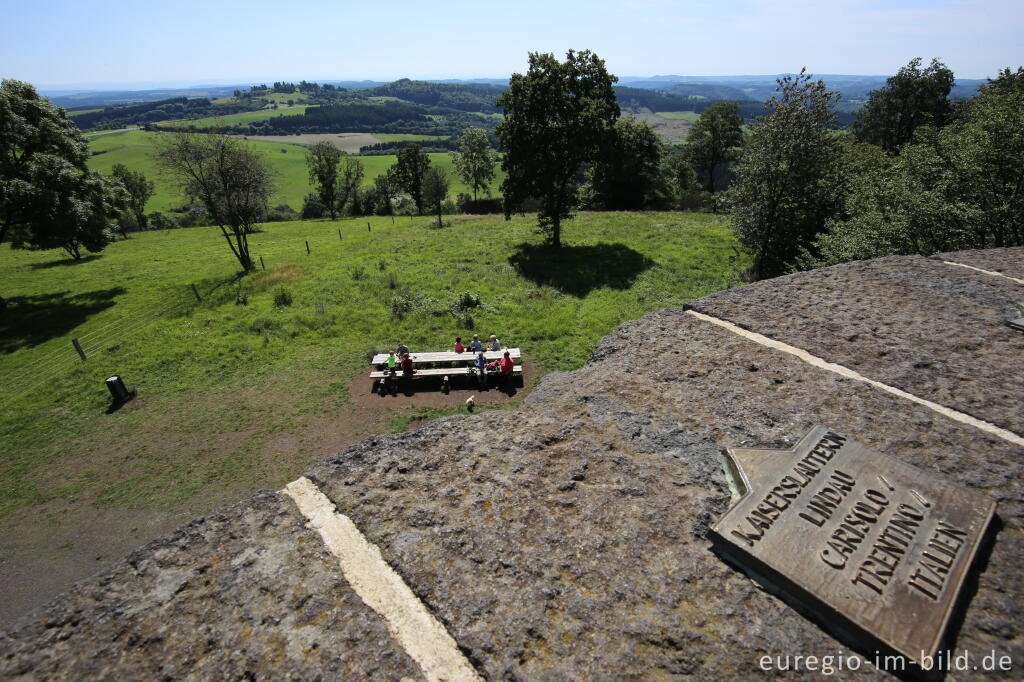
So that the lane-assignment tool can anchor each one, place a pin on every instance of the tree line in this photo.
(919, 174)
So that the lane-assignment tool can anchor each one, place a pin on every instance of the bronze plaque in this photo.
(856, 537)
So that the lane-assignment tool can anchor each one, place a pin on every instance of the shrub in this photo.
(282, 298)
(281, 213)
(312, 207)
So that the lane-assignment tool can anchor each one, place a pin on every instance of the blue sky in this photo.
(59, 43)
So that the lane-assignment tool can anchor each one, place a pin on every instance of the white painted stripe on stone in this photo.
(849, 373)
(987, 272)
(383, 590)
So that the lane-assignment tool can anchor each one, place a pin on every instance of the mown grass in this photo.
(222, 380)
(241, 118)
(135, 150)
(691, 116)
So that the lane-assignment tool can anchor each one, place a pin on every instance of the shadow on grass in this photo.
(578, 270)
(65, 262)
(31, 320)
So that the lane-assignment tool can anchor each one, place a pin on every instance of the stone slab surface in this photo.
(1008, 261)
(934, 330)
(568, 539)
(245, 593)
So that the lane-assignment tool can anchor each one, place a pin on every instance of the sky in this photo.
(64, 43)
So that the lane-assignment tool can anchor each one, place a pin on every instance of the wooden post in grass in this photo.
(307, 247)
(262, 264)
(367, 225)
(78, 347)
(339, 234)
(196, 292)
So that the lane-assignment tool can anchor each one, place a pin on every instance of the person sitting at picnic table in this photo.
(459, 348)
(494, 343)
(505, 366)
(480, 363)
(392, 361)
(402, 349)
(475, 344)
(407, 365)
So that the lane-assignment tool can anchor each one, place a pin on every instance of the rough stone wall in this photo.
(567, 540)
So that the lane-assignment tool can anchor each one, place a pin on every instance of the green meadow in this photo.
(135, 148)
(234, 387)
(244, 118)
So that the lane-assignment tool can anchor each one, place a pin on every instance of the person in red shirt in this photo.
(458, 345)
(407, 365)
(505, 366)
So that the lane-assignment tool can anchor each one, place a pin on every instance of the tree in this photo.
(628, 173)
(713, 140)
(48, 198)
(139, 191)
(409, 171)
(69, 209)
(952, 188)
(349, 182)
(790, 178)
(227, 177)
(322, 159)
(557, 117)
(911, 98)
(435, 190)
(475, 160)
(678, 169)
(387, 189)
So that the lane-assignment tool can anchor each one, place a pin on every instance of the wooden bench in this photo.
(460, 364)
(440, 372)
(449, 356)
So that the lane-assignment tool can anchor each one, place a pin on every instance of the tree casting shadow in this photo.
(31, 320)
(65, 262)
(578, 270)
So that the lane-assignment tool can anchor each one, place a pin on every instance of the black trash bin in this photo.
(118, 391)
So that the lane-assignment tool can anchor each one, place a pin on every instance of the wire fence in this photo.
(18, 381)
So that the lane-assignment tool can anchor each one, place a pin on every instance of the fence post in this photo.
(367, 225)
(262, 264)
(307, 247)
(196, 292)
(78, 347)
(339, 234)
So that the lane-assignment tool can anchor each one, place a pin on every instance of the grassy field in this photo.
(243, 118)
(691, 116)
(228, 386)
(288, 162)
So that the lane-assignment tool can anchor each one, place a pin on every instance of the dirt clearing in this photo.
(346, 142)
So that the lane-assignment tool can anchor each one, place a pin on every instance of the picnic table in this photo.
(456, 363)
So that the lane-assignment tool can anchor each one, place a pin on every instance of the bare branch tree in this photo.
(228, 178)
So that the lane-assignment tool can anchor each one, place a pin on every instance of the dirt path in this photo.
(51, 546)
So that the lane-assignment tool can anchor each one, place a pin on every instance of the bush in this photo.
(282, 298)
(162, 221)
(489, 205)
(407, 302)
(281, 213)
(312, 208)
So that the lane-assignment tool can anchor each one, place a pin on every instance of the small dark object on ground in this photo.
(118, 391)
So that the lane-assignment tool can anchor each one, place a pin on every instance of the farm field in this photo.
(670, 127)
(135, 148)
(239, 391)
(242, 118)
(346, 142)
